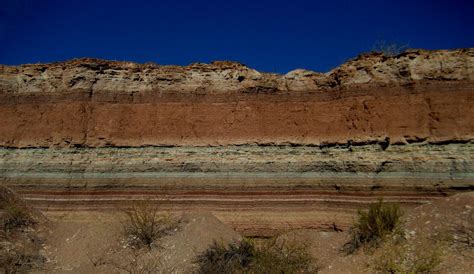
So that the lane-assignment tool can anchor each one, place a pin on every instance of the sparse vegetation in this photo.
(16, 259)
(247, 256)
(389, 49)
(406, 258)
(463, 232)
(138, 262)
(274, 257)
(13, 212)
(374, 225)
(144, 224)
(18, 247)
(11, 261)
(16, 216)
(222, 258)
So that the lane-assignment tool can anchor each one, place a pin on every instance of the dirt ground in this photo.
(444, 228)
(93, 242)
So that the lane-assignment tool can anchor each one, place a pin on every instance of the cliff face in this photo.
(416, 96)
(265, 151)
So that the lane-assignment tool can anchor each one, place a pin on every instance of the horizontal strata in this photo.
(254, 204)
(452, 159)
(265, 152)
(259, 190)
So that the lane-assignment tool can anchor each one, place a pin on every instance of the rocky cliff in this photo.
(245, 144)
(412, 97)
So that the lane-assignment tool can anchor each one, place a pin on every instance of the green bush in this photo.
(248, 257)
(373, 225)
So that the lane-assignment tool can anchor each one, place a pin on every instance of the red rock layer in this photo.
(434, 112)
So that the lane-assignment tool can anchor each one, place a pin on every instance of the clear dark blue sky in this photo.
(266, 35)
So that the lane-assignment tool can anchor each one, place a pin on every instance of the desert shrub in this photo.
(405, 258)
(16, 216)
(389, 49)
(144, 224)
(462, 232)
(137, 263)
(18, 260)
(19, 248)
(425, 262)
(274, 257)
(11, 262)
(373, 225)
(248, 257)
(222, 258)
(13, 212)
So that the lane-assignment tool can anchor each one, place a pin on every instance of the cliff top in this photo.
(91, 75)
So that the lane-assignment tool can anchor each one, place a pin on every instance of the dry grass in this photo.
(404, 257)
(274, 257)
(139, 262)
(144, 224)
(222, 258)
(463, 232)
(389, 49)
(18, 246)
(14, 213)
(374, 225)
(247, 256)
(18, 260)
(15, 216)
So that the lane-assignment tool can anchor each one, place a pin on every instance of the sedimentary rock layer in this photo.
(445, 159)
(259, 190)
(263, 151)
(418, 95)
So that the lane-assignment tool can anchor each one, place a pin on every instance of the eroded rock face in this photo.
(268, 152)
(417, 95)
(220, 77)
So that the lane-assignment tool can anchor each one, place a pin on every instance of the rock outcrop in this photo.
(222, 136)
(418, 95)
(223, 77)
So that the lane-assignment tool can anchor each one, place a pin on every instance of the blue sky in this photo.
(275, 36)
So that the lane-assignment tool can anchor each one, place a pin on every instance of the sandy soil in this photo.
(93, 242)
